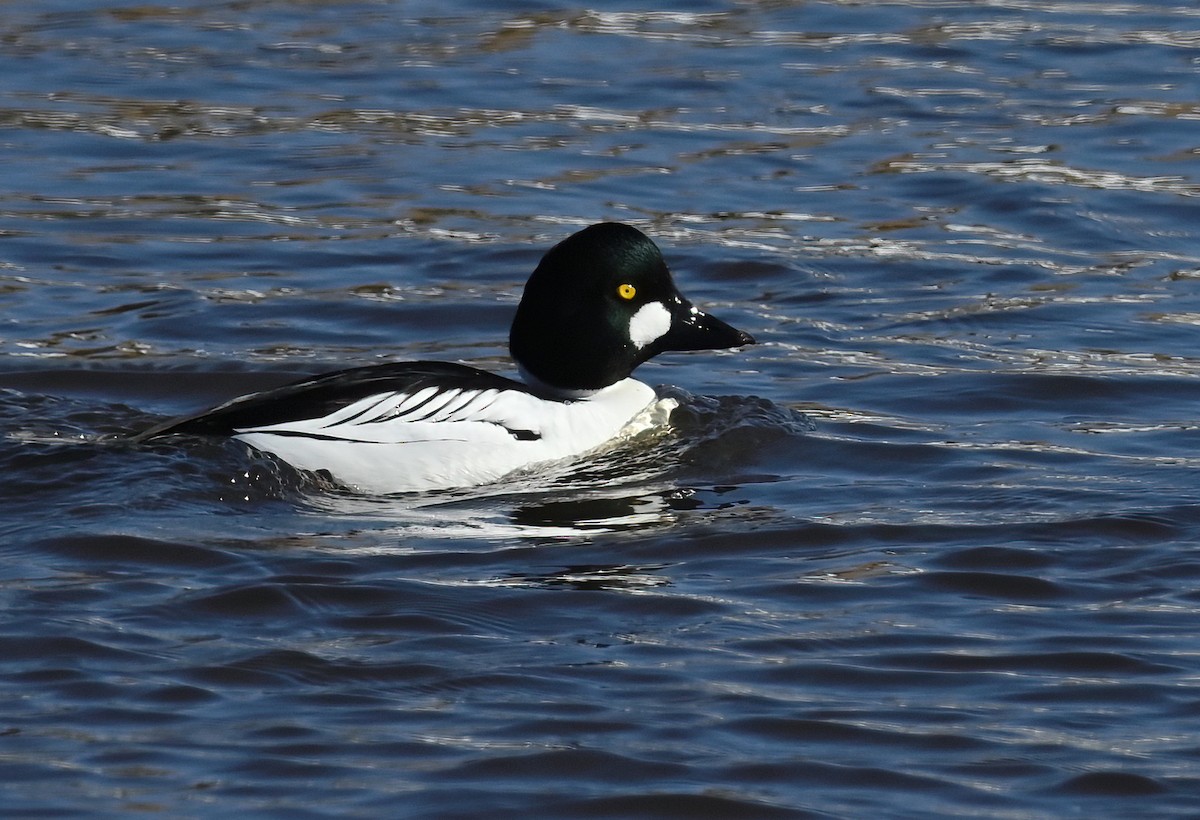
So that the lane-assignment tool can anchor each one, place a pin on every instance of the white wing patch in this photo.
(428, 404)
(422, 415)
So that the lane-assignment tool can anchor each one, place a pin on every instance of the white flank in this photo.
(650, 322)
(399, 442)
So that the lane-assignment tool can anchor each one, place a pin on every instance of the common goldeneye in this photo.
(600, 303)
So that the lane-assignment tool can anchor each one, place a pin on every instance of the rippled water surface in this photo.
(931, 548)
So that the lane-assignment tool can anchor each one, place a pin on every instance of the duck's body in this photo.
(599, 304)
(418, 425)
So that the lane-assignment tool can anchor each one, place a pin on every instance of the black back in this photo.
(320, 396)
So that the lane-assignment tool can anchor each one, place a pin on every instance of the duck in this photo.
(599, 303)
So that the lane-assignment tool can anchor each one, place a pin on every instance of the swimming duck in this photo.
(600, 302)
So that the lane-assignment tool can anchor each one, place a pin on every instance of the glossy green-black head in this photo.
(600, 303)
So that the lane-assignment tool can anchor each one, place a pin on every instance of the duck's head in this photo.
(600, 303)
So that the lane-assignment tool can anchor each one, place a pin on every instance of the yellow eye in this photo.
(626, 291)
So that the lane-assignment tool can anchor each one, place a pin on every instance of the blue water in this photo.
(929, 549)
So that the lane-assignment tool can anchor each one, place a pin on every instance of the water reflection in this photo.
(542, 504)
(613, 577)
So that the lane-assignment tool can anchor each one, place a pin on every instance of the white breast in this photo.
(436, 439)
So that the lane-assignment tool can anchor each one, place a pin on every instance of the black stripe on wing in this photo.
(322, 396)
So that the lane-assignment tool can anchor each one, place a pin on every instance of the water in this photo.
(927, 550)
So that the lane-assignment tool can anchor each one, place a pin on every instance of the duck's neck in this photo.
(549, 391)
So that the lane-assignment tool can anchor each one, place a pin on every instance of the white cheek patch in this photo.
(650, 322)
